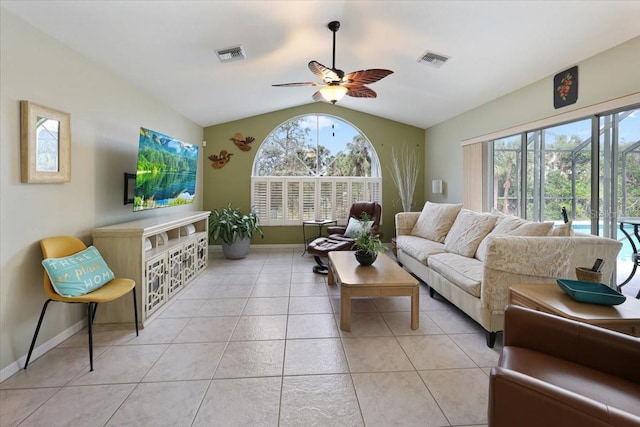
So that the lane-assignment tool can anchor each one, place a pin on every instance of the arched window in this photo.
(313, 167)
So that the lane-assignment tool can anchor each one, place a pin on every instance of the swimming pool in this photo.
(625, 253)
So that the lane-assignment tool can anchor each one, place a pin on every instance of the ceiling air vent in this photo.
(231, 54)
(433, 59)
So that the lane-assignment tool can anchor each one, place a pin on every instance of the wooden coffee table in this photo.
(549, 298)
(384, 278)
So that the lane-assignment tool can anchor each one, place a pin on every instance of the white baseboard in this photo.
(218, 248)
(42, 349)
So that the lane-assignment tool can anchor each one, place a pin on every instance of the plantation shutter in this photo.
(326, 200)
(308, 200)
(358, 192)
(259, 198)
(375, 191)
(276, 202)
(293, 200)
(342, 200)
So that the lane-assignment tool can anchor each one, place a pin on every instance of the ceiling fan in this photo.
(335, 84)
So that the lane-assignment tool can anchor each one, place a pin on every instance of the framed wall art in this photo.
(565, 88)
(45, 144)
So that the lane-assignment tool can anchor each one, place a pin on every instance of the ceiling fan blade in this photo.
(363, 77)
(317, 96)
(354, 82)
(325, 73)
(298, 84)
(360, 91)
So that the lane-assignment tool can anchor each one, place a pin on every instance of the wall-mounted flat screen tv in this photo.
(166, 171)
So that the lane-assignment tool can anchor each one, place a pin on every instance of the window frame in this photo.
(524, 134)
(303, 198)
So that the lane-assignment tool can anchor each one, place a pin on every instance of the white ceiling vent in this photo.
(231, 54)
(433, 59)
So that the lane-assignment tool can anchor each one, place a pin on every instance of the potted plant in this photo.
(235, 229)
(367, 244)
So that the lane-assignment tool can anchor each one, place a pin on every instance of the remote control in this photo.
(597, 266)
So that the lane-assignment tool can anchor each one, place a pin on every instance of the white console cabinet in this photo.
(162, 254)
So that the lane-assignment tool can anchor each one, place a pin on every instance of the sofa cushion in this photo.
(467, 232)
(464, 272)
(419, 248)
(562, 230)
(513, 226)
(533, 229)
(435, 220)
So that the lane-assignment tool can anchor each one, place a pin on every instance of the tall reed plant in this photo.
(404, 172)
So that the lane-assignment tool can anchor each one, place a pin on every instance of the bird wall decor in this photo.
(241, 142)
(220, 160)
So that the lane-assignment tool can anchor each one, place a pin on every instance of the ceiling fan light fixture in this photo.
(333, 92)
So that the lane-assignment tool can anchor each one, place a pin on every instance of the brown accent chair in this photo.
(557, 372)
(336, 240)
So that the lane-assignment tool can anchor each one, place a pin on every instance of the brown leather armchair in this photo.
(557, 372)
(373, 209)
(337, 241)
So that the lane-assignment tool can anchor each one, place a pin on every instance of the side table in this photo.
(549, 298)
(318, 223)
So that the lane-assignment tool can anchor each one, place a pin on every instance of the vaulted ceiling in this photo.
(167, 49)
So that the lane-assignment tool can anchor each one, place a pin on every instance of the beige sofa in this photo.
(472, 258)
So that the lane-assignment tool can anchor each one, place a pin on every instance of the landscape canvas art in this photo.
(166, 171)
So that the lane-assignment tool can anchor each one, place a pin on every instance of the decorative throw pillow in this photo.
(513, 226)
(505, 225)
(356, 227)
(435, 220)
(78, 274)
(562, 230)
(533, 229)
(467, 232)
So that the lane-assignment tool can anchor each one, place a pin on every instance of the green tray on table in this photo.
(591, 292)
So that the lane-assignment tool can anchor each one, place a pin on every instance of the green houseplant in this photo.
(234, 229)
(367, 244)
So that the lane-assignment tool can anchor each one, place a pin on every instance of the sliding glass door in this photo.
(559, 173)
(619, 188)
(590, 167)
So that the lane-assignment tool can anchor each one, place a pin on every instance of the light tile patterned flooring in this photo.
(256, 342)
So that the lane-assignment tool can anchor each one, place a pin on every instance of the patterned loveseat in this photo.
(471, 258)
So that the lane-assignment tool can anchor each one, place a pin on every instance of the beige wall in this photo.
(233, 182)
(106, 114)
(609, 75)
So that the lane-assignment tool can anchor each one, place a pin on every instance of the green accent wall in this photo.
(232, 183)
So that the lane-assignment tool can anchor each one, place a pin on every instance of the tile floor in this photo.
(256, 342)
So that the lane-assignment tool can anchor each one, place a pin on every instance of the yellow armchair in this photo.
(62, 246)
